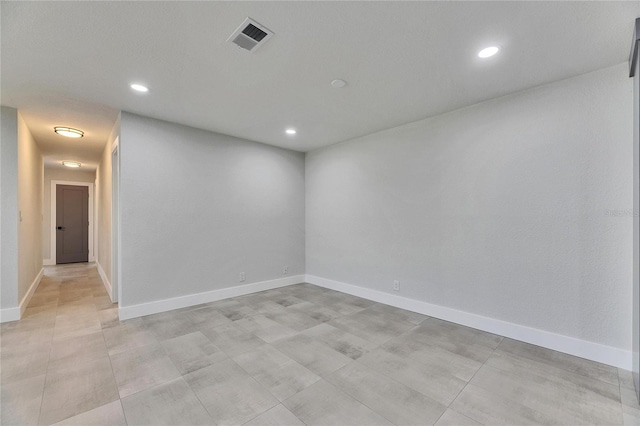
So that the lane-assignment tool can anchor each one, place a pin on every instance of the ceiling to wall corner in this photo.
(71, 63)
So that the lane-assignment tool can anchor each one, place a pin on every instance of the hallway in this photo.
(295, 355)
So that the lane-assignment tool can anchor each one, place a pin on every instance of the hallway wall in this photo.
(9, 213)
(103, 207)
(30, 193)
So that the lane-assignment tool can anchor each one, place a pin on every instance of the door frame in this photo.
(54, 183)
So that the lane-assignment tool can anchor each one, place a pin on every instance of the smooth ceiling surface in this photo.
(403, 61)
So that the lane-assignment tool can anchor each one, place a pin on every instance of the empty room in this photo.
(319, 213)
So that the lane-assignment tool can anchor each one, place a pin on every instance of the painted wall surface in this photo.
(53, 173)
(103, 204)
(198, 208)
(9, 207)
(30, 185)
(516, 209)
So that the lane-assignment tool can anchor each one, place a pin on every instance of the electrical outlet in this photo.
(396, 285)
(285, 270)
(243, 276)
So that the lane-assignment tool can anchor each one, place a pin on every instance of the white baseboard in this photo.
(32, 289)
(14, 314)
(48, 262)
(105, 281)
(569, 345)
(9, 314)
(134, 311)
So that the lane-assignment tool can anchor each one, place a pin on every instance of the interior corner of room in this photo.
(516, 215)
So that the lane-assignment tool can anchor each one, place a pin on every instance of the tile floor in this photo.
(299, 355)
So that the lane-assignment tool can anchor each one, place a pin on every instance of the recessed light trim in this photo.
(338, 84)
(74, 164)
(488, 52)
(139, 88)
(291, 131)
(68, 132)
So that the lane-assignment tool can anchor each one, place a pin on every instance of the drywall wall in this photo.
(517, 209)
(198, 208)
(54, 173)
(103, 207)
(9, 218)
(30, 184)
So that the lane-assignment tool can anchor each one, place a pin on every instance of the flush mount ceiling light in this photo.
(488, 52)
(338, 84)
(74, 164)
(290, 131)
(139, 88)
(68, 132)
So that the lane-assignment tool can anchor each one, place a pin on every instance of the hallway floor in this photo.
(298, 355)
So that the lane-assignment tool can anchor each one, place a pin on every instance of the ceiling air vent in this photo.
(250, 35)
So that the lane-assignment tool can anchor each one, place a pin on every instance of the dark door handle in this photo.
(60, 228)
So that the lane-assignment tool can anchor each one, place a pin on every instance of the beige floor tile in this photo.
(229, 394)
(77, 350)
(554, 396)
(141, 368)
(232, 339)
(192, 352)
(278, 373)
(341, 341)
(127, 335)
(491, 409)
(110, 414)
(431, 380)
(265, 328)
(324, 404)
(556, 359)
(20, 401)
(172, 403)
(453, 418)
(277, 416)
(394, 401)
(57, 365)
(317, 356)
(74, 389)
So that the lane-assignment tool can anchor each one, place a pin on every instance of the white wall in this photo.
(30, 185)
(54, 173)
(103, 203)
(198, 208)
(9, 218)
(516, 209)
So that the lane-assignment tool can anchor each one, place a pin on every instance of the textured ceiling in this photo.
(71, 63)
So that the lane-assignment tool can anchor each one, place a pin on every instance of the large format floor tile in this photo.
(229, 394)
(73, 389)
(172, 403)
(324, 404)
(297, 355)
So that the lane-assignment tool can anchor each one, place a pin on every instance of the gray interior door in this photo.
(72, 224)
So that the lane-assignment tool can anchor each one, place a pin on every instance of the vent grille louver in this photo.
(250, 35)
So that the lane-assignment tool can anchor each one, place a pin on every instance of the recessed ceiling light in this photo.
(139, 88)
(74, 164)
(68, 132)
(338, 84)
(488, 52)
(290, 131)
